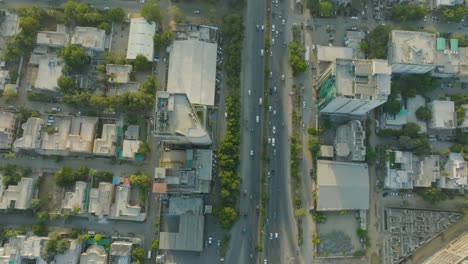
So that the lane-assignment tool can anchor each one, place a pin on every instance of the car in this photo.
(257, 119)
(210, 240)
(271, 74)
(271, 236)
(248, 91)
(385, 194)
(219, 243)
(258, 27)
(274, 130)
(282, 77)
(273, 142)
(269, 174)
(273, 28)
(196, 12)
(269, 140)
(274, 112)
(265, 261)
(274, 89)
(269, 108)
(274, 152)
(277, 33)
(304, 104)
(260, 100)
(354, 18)
(271, 53)
(263, 27)
(276, 235)
(251, 152)
(272, 41)
(261, 52)
(106, 8)
(283, 22)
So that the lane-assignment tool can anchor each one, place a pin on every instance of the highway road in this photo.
(279, 209)
(244, 232)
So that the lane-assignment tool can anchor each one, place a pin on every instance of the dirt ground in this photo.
(50, 194)
(120, 38)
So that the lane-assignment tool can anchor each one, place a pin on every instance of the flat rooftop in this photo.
(187, 237)
(192, 70)
(176, 117)
(52, 38)
(412, 47)
(140, 39)
(119, 73)
(89, 37)
(330, 54)
(443, 115)
(105, 145)
(342, 186)
(48, 72)
(32, 134)
(363, 79)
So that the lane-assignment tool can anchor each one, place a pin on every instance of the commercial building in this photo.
(105, 145)
(7, 129)
(406, 115)
(443, 115)
(94, 254)
(188, 171)
(32, 135)
(456, 252)
(331, 54)
(447, 3)
(192, 64)
(350, 141)
(46, 69)
(342, 186)
(140, 39)
(412, 51)
(74, 200)
(100, 199)
(183, 225)
(90, 38)
(176, 120)
(455, 173)
(447, 58)
(353, 87)
(120, 252)
(118, 73)
(17, 196)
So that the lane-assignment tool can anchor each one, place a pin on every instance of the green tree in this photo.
(116, 15)
(313, 6)
(364, 46)
(176, 14)
(9, 94)
(318, 217)
(142, 63)
(64, 177)
(392, 107)
(296, 54)
(411, 130)
(138, 254)
(97, 238)
(162, 40)
(62, 245)
(453, 14)
(155, 244)
(105, 26)
(150, 85)
(39, 229)
(74, 56)
(371, 156)
(29, 24)
(144, 149)
(404, 12)
(66, 84)
(42, 216)
(140, 180)
(377, 41)
(152, 12)
(433, 195)
(423, 113)
(83, 174)
(325, 8)
(19, 45)
(226, 217)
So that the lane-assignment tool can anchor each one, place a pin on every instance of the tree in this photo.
(377, 41)
(316, 240)
(105, 26)
(318, 217)
(62, 245)
(312, 131)
(325, 8)
(404, 12)
(116, 15)
(74, 56)
(42, 216)
(433, 195)
(9, 94)
(423, 113)
(140, 180)
(162, 40)
(66, 84)
(371, 156)
(155, 244)
(39, 229)
(296, 54)
(176, 14)
(150, 85)
(410, 130)
(19, 45)
(226, 217)
(313, 6)
(144, 149)
(454, 13)
(64, 177)
(152, 12)
(138, 254)
(97, 238)
(392, 107)
(29, 24)
(364, 46)
(142, 63)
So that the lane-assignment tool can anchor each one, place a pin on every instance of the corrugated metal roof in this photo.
(440, 44)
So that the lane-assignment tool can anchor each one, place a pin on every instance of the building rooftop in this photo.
(130, 148)
(187, 237)
(442, 3)
(52, 39)
(413, 104)
(124, 87)
(75, 199)
(17, 196)
(119, 73)
(123, 205)
(457, 173)
(447, 57)
(32, 135)
(4, 79)
(89, 37)
(176, 120)
(7, 129)
(140, 39)
(71, 255)
(342, 186)
(428, 171)
(105, 145)
(192, 70)
(330, 54)
(399, 170)
(120, 252)
(350, 141)
(10, 25)
(132, 132)
(443, 115)
(49, 69)
(327, 151)
(100, 199)
(95, 254)
(456, 252)
(412, 47)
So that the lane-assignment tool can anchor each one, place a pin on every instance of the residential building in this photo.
(428, 171)
(353, 87)
(412, 51)
(46, 69)
(455, 252)
(90, 38)
(400, 170)
(52, 39)
(342, 186)
(10, 25)
(5, 81)
(7, 129)
(118, 73)
(125, 207)
(23, 249)
(130, 149)
(455, 173)
(140, 39)
(74, 200)
(105, 145)
(176, 121)
(331, 54)
(443, 115)
(187, 232)
(94, 254)
(71, 255)
(184, 171)
(100, 199)
(350, 141)
(120, 252)
(32, 135)
(17, 196)
(192, 64)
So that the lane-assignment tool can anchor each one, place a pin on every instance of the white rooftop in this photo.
(443, 115)
(412, 47)
(7, 129)
(10, 25)
(17, 196)
(119, 73)
(130, 148)
(89, 37)
(100, 199)
(32, 135)
(74, 199)
(330, 54)
(192, 70)
(52, 38)
(105, 145)
(48, 72)
(123, 206)
(95, 254)
(140, 39)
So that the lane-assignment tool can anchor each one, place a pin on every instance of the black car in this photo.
(385, 194)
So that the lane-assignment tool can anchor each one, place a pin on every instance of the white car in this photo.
(276, 235)
(269, 108)
(272, 41)
(274, 89)
(257, 119)
(260, 100)
(271, 53)
(210, 240)
(274, 152)
(251, 152)
(271, 74)
(274, 112)
(248, 91)
(273, 28)
(273, 142)
(274, 130)
(282, 77)
(263, 27)
(271, 236)
(283, 22)
(269, 140)
(304, 104)
(261, 52)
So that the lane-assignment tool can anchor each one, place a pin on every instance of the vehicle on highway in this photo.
(269, 140)
(274, 130)
(276, 235)
(269, 174)
(258, 27)
(261, 52)
(274, 89)
(248, 91)
(273, 28)
(271, 236)
(272, 41)
(263, 27)
(219, 242)
(251, 152)
(274, 152)
(209, 241)
(304, 104)
(282, 77)
(274, 112)
(277, 33)
(269, 108)
(271, 74)
(260, 101)
(257, 119)
(283, 22)
(196, 12)
(265, 261)
(273, 142)
(271, 53)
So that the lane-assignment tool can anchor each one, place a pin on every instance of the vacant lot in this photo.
(50, 194)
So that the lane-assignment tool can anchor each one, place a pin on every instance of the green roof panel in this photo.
(454, 44)
(440, 44)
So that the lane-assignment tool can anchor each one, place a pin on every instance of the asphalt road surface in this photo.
(244, 232)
